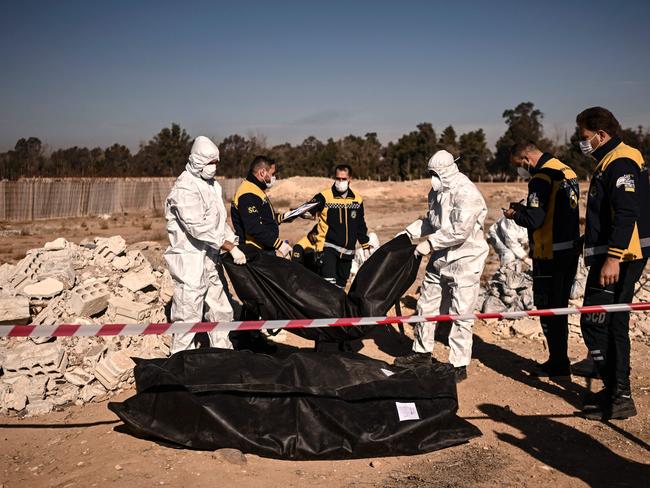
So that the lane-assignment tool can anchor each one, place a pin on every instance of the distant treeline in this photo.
(166, 153)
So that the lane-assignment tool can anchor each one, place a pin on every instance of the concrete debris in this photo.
(78, 377)
(526, 327)
(92, 392)
(114, 369)
(137, 280)
(511, 289)
(89, 299)
(121, 263)
(39, 407)
(47, 288)
(96, 282)
(108, 248)
(27, 360)
(56, 244)
(14, 310)
(126, 311)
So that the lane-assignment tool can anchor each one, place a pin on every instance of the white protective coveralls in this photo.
(359, 255)
(508, 240)
(454, 226)
(197, 227)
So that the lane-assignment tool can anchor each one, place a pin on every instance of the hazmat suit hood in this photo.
(442, 162)
(203, 152)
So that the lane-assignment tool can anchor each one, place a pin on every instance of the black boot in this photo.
(460, 373)
(551, 370)
(413, 360)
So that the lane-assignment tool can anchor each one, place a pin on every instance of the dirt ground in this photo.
(531, 436)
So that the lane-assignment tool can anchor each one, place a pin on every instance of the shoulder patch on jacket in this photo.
(533, 200)
(626, 181)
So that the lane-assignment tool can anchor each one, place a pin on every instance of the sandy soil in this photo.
(530, 434)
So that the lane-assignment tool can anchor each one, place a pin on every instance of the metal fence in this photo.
(52, 198)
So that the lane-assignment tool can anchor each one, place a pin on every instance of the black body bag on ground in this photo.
(274, 288)
(305, 406)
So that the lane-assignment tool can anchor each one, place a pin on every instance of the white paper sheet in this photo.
(300, 210)
(407, 411)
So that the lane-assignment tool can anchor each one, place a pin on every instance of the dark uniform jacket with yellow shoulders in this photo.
(618, 206)
(253, 218)
(551, 213)
(341, 222)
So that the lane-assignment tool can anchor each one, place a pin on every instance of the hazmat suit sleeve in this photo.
(533, 214)
(457, 228)
(199, 221)
(421, 227)
(514, 238)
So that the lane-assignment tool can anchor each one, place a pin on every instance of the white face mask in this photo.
(523, 173)
(208, 171)
(341, 186)
(436, 183)
(270, 183)
(586, 147)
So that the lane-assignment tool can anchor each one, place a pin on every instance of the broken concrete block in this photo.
(121, 263)
(39, 407)
(113, 369)
(166, 288)
(126, 311)
(493, 305)
(78, 377)
(525, 328)
(66, 394)
(14, 310)
(90, 299)
(108, 249)
(59, 265)
(56, 244)
(33, 388)
(6, 271)
(25, 271)
(137, 280)
(14, 401)
(30, 360)
(54, 312)
(137, 260)
(47, 288)
(91, 392)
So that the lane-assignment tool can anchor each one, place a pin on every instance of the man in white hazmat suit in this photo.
(508, 240)
(198, 232)
(455, 240)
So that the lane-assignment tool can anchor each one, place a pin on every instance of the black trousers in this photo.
(334, 268)
(606, 335)
(552, 282)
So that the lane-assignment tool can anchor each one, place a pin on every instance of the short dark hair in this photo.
(343, 167)
(599, 118)
(519, 147)
(261, 162)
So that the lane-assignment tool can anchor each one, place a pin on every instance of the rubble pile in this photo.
(511, 289)
(98, 281)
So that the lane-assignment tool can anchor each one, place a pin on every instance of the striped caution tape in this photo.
(86, 330)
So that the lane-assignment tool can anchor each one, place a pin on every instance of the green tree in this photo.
(409, 155)
(474, 154)
(524, 123)
(448, 141)
(166, 153)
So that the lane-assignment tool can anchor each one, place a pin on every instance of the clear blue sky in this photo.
(93, 73)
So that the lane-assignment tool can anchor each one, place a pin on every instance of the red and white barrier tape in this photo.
(78, 330)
